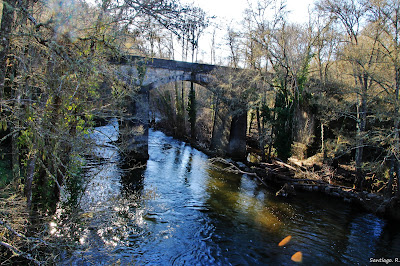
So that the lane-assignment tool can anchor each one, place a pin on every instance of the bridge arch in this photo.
(150, 73)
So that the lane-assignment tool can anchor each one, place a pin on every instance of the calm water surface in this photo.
(181, 210)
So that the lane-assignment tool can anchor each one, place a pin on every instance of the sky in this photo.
(233, 9)
(230, 12)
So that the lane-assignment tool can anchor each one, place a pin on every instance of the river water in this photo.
(180, 209)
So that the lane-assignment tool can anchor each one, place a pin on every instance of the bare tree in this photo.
(385, 19)
(350, 15)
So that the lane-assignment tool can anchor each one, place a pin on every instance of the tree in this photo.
(195, 22)
(55, 76)
(56, 65)
(385, 18)
(7, 22)
(350, 15)
(281, 53)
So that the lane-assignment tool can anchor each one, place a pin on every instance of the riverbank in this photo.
(287, 178)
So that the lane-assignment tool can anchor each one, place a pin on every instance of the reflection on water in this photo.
(180, 210)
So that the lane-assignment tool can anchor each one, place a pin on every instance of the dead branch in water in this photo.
(231, 168)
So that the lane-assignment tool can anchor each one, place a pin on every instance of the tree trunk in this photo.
(16, 171)
(7, 22)
(260, 135)
(389, 189)
(180, 116)
(361, 124)
(220, 134)
(322, 141)
(192, 111)
(271, 138)
(14, 139)
(214, 126)
(183, 107)
(396, 128)
(29, 179)
(251, 122)
(396, 66)
(396, 108)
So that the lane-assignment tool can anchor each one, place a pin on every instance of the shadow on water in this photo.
(132, 181)
(181, 210)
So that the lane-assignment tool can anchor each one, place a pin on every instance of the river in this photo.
(179, 209)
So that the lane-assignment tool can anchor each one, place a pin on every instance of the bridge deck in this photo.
(166, 64)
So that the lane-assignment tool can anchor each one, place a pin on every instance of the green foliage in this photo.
(141, 70)
(57, 77)
(303, 75)
(283, 127)
(75, 183)
(266, 112)
(44, 196)
(3, 125)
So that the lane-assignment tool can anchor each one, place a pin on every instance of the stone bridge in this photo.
(145, 74)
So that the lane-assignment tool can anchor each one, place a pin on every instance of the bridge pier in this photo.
(237, 137)
(134, 129)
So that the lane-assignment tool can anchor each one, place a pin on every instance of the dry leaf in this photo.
(297, 257)
(285, 241)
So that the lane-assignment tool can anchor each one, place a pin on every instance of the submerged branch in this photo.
(233, 168)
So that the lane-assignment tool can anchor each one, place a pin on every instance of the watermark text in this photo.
(384, 260)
